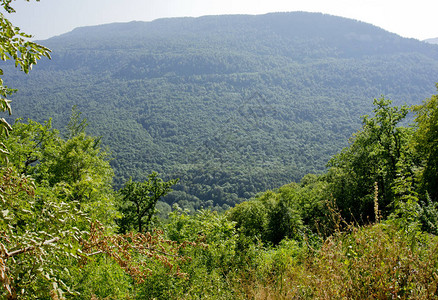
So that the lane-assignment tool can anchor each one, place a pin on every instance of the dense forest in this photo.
(230, 105)
(77, 221)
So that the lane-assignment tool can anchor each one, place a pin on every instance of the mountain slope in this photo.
(232, 105)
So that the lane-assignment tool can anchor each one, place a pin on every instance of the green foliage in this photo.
(281, 244)
(429, 216)
(30, 144)
(79, 163)
(284, 220)
(407, 211)
(15, 46)
(373, 262)
(378, 153)
(426, 145)
(101, 278)
(397, 160)
(251, 219)
(39, 233)
(271, 269)
(293, 212)
(50, 189)
(77, 124)
(207, 227)
(138, 200)
(212, 260)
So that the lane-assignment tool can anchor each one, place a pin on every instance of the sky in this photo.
(47, 18)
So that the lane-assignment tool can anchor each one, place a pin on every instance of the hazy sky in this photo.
(408, 18)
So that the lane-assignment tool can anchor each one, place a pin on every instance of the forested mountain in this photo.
(231, 105)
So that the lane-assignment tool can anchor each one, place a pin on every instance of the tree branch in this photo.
(30, 248)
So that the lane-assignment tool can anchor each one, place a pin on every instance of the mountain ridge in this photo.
(159, 22)
(282, 23)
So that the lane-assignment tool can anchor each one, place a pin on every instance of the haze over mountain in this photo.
(232, 105)
(432, 41)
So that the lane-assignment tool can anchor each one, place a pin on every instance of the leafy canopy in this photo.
(426, 144)
(378, 153)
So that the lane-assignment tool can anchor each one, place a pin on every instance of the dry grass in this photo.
(373, 262)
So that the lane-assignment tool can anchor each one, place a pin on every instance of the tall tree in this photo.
(426, 144)
(378, 153)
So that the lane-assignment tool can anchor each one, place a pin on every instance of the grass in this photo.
(373, 262)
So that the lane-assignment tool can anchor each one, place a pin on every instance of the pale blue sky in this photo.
(415, 19)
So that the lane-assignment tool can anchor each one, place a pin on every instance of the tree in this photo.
(76, 124)
(378, 153)
(15, 46)
(270, 217)
(49, 191)
(30, 144)
(138, 200)
(251, 219)
(426, 145)
(79, 163)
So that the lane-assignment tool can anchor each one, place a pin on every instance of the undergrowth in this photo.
(372, 262)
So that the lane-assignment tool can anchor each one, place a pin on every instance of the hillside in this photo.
(231, 105)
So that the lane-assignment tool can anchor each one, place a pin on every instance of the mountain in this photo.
(432, 41)
(232, 105)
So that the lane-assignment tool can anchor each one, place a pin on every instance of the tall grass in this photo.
(373, 262)
(378, 261)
